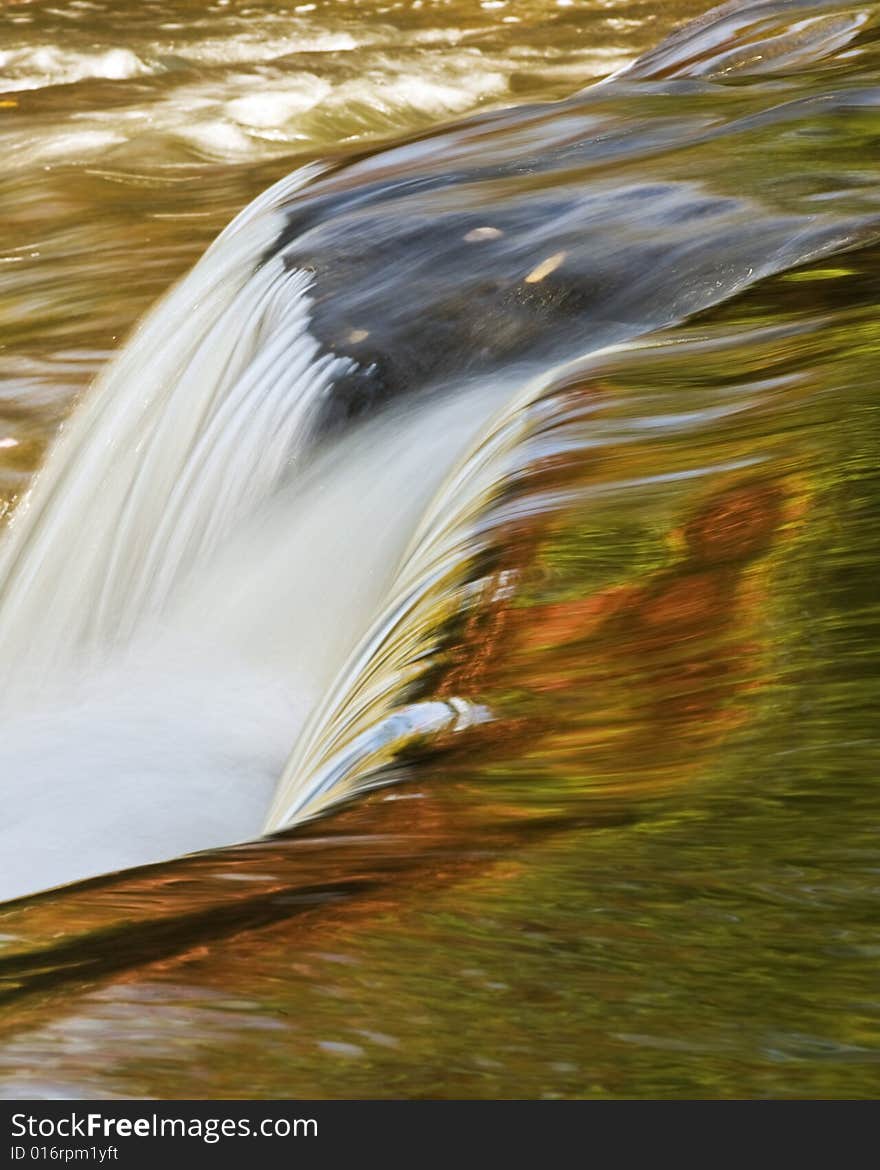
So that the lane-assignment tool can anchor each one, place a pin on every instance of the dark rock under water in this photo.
(536, 235)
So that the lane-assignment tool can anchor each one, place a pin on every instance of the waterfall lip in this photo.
(353, 739)
(345, 747)
(470, 273)
(424, 254)
(156, 465)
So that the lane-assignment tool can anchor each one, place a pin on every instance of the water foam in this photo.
(37, 66)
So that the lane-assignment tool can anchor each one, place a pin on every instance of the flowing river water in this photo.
(483, 537)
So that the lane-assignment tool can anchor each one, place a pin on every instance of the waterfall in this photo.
(195, 422)
(211, 605)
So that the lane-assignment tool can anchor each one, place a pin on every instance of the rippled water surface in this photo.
(641, 855)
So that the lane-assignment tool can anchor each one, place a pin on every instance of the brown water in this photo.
(133, 133)
(653, 871)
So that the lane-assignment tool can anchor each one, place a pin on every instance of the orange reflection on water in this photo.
(633, 684)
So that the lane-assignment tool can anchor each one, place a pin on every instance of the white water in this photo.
(172, 737)
(360, 724)
(189, 586)
(175, 739)
(192, 425)
(170, 612)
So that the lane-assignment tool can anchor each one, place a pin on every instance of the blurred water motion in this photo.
(133, 132)
(653, 870)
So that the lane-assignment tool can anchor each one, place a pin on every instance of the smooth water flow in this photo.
(192, 425)
(243, 526)
(473, 560)
(172, 736)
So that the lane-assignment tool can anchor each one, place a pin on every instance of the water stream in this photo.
(487, 517)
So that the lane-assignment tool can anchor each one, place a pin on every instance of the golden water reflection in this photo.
(653, 872)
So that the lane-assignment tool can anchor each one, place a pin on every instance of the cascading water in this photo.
(264, 512)
(493, 519)
(151, 468)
